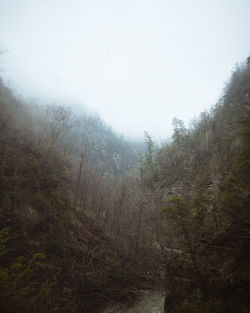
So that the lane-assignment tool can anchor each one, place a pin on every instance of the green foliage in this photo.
(147, 162)
(205, 172)
(54, 257)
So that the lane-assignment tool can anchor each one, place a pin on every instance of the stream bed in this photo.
(148, 302)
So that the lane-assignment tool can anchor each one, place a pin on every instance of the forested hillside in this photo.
(86, 221)
(203, 180)
(62, 195)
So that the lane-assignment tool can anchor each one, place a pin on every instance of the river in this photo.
(148, 302)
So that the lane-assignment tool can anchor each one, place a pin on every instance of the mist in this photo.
(124, 156)
(138, 64)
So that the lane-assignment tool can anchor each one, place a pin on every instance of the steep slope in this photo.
(54, 257)
(203, 183)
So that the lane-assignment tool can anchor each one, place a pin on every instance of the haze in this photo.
(137, 63)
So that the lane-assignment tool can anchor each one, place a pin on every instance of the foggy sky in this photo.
(138, 63)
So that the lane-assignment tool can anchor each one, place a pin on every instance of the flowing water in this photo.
(149, 302)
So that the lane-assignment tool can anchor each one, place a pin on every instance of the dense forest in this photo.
(86, 220)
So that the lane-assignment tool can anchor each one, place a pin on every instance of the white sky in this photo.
(138, 63)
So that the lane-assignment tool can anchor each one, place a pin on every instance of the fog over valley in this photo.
(124, 156)
(138, 64)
